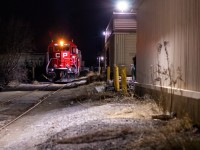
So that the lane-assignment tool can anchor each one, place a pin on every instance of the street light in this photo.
(122, 6)
(100, 58)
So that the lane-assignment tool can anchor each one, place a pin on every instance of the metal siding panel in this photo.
(112, 53)
(130, 50)
(110, 46)
(120, 48)
(125, 49)
(175, 21)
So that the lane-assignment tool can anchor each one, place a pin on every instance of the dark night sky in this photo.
(80, 20)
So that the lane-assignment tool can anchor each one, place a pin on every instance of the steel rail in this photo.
(19, 96)
(40, 101)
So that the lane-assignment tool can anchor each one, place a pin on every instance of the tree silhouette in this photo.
(15, 39)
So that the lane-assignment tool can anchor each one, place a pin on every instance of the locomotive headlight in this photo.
(61, 43)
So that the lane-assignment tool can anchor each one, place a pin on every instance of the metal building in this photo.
(169, 37)
(32, 59)
(120, 40)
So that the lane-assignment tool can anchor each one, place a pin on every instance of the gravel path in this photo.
(33, 130)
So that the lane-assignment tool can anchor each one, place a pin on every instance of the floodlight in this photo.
(122, 6)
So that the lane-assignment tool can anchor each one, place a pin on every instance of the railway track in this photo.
(4, 101)
(51, 86)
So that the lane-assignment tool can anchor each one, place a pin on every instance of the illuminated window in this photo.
(62, 48)
(74, 50)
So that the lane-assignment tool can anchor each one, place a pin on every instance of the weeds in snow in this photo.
(162, 74)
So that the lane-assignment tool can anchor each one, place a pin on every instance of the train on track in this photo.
(63, 61)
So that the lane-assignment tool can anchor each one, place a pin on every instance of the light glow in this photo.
(61, 43)
(100, 58)
(122, 6)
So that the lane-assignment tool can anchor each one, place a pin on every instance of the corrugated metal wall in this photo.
(130, 47)
(110, 51)
(178, 23)
(125, 49)
(125, 24)
(119, 49)
(120, 40)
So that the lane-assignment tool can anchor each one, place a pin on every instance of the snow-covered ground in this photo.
(81, 118)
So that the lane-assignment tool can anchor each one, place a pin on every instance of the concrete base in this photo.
(182, 102)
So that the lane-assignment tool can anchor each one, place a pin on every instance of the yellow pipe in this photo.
(123, 76)
(108, 73)
(116, 78)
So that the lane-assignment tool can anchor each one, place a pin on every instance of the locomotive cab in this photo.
(63, 60)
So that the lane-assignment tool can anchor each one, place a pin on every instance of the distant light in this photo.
(122, 6)
(61, 43)
(104, 33)
(100, 58)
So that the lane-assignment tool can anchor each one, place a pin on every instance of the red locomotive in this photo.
(63, 60)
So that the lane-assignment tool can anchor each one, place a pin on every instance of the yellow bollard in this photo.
(116, 78)
(108, 73)
(123, 76)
